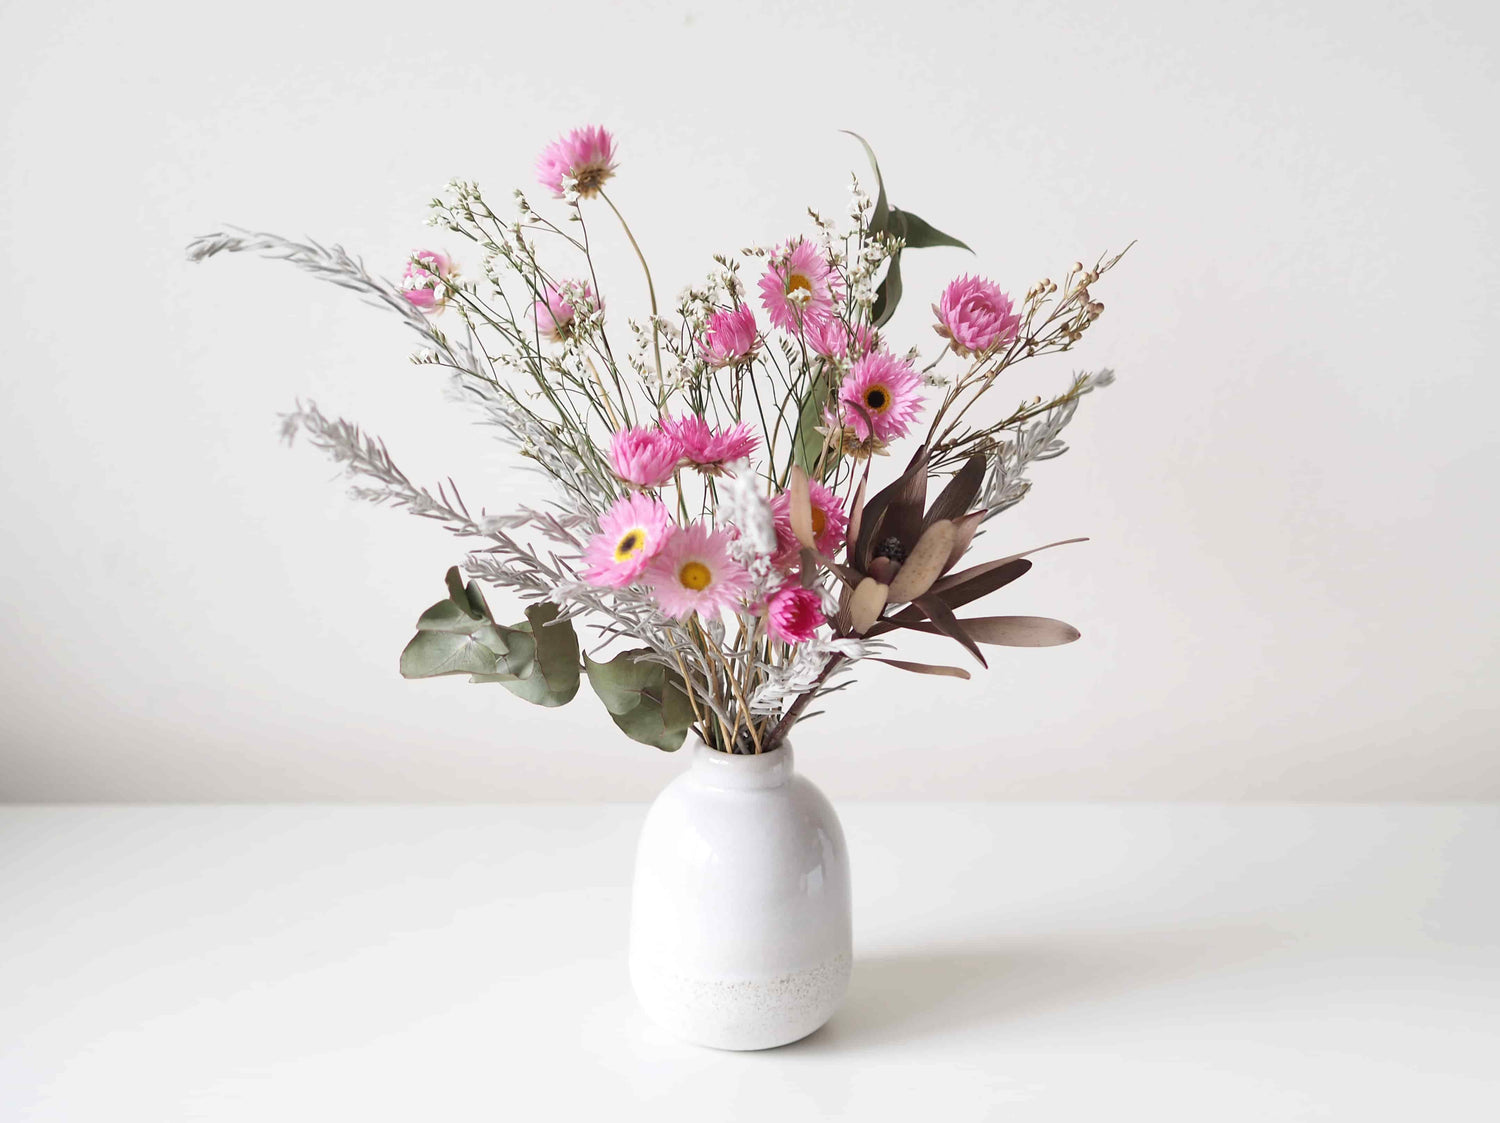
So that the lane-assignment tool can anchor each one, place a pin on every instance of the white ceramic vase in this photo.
(740, 934)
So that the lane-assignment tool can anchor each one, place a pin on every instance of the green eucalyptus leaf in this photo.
(888, 295)
(663, 727)
(475, 597)
(646, 700)
(445, 616)
(879, 218)
(535, 689)
(807, 442)
(455, 583)
(430, 654)
(540, 663)
(920, 234)
(458, 636)
(515, 650)
(556, 650)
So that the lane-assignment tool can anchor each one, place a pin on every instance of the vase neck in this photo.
(731, 770)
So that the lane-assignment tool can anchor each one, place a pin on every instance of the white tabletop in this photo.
(1014, 962)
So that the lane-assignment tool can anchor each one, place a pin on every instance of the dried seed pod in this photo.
(925, 564)
(866, 605)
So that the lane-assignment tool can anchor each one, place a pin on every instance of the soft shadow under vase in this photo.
(740, 933)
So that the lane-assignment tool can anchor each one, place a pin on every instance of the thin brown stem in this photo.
(650, 288)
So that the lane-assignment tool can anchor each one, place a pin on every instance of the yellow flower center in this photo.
(632, 542)
(819, 521)
(877, 399)
(797, 281)
(696, 576)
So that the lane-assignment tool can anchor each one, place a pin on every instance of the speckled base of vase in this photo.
(742, 1014)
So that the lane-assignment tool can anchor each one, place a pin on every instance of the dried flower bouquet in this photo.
(710, 509)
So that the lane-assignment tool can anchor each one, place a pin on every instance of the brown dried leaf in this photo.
(856, 514)
(801, 507)
(1004, 631)
(907, 493)
(809, 567)
(963, 537)
(954, 501)
(963, 576)
(924, 668)
(942, 616)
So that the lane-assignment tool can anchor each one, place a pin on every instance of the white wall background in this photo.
(1290, 591)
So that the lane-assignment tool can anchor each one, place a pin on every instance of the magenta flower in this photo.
(631, 533)
(644, 457)
(794, 614)
(707, 447)
(829, 523)
(799, 287)
(425, 282)
(695, 573)
(555, 314)
(975, 316)
(881, 397)
(832, 339)
(586, 156)
(729, 338)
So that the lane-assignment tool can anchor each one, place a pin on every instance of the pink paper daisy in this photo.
(729, 338)
(709, 448)
(631, 533)
(828, 523)
(974, 316)
(884, 392)
(799, 286)
(695, 573)
(425, 282)
(831, 339)
(794, 614)
(555, 313)
(644, 457)
(585, 155)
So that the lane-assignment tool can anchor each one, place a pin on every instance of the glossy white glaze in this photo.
(740, 934)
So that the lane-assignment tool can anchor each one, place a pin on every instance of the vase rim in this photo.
(748, 770)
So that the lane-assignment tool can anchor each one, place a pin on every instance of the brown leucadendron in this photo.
(900, 551)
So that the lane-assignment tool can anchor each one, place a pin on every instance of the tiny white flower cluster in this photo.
(743, 505)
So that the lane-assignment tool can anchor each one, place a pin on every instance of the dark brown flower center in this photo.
(891, 548)
(628, 545)
(877, 398)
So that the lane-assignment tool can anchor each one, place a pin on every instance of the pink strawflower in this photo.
(555, 314)
(831, 339)
(585, 155)
(828, 524)
(974, 315)
(794, 614)
(425, 282)
(695, 573)
(644, 457)
(707, 447)
(631, 533)
(730, 337)
(884, 392)
(799, 286)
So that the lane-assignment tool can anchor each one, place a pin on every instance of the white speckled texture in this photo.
(740, 933)
(742, 1013)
